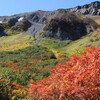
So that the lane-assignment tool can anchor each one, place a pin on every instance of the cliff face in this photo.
(92, 9)
(59, 24)
(68, 26)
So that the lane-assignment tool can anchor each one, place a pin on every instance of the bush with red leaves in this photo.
(77, 79)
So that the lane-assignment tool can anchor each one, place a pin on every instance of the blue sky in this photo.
(10, 7)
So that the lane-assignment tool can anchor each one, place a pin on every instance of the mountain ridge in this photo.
(34, 23)
(95, 4)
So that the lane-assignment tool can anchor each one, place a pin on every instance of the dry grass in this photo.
(97, 20)
(15, 42)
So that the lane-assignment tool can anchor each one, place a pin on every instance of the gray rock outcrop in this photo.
(34, 23)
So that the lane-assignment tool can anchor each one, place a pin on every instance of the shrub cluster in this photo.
(77, 79)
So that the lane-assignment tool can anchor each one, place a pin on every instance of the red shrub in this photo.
(78, 79)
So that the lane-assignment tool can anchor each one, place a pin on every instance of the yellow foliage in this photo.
(14, 47)
(15, 42)
(18, 95)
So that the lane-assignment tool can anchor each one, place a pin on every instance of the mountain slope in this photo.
(15, 42)
(69, 47)
(34, 23)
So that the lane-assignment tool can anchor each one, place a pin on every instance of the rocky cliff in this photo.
(92, 9)
(60, 24)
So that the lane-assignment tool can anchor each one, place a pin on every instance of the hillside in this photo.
(42, 22)
(15, 42)
(69, 47)
(51, 55)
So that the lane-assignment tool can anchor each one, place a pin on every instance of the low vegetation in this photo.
(69, 47)
(15, 42)
(47, 71)
(29, 63)
(77, 78)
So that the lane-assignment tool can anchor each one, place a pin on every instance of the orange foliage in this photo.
(36, 60)
(61, 57)
(77, 79)
(12, 65)
(3, 80)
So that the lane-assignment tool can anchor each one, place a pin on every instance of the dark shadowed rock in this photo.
(68, 26)
(12, 21)
(23, 25)
(2, 33)
(19, 27)
(95, 5)
(1, 28)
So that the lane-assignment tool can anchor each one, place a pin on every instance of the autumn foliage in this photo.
(77, 79)
(12, 91)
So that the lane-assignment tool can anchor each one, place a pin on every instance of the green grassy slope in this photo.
(32, 62)
(70, 47)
